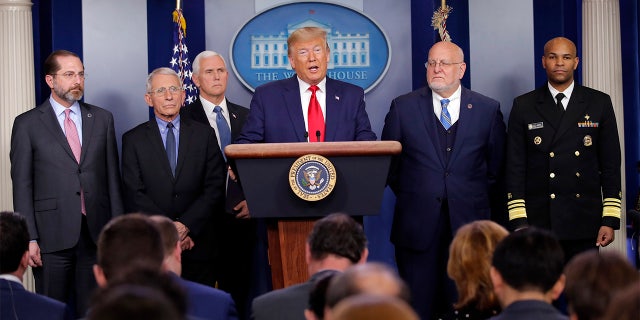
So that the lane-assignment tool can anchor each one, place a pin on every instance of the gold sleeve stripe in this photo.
(611, 207)
(517, 209)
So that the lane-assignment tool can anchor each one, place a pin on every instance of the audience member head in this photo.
(373, 307)
(469, 263)
(210, 75)
(335, 242)
(625, 304)
(528, 263)
(309, 54)
(125, 243)
(318, 296)
(170, 243)
(14, 244)
(369, 278)
(445, 68)
(143, 293)
(593, 278)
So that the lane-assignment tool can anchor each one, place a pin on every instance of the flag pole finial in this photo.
(178, 6)
(439, 21)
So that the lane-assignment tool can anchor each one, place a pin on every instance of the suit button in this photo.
(578, 174)
(577, 195)
(553, 196)
(446, 174)
(552, 175)
(79, 171)
(175, 196)
(448, 149)
(551, 154)
(577, 153)
(78, 193)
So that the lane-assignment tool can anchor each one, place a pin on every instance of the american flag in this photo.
(180, 62)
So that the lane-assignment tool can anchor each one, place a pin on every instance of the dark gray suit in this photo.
(47, 181)
(285, 304)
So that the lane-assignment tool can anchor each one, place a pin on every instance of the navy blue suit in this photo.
(18, 303)
(276, 115)
(530, 310)
(439, 187)
(204, 302)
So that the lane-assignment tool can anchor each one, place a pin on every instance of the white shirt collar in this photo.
(10, 277)
(567, 92)
(208, 106)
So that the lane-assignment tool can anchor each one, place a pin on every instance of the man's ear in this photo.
(307, 253)
(98, 273)
(496, 278)
(558, 287)
(365, 255)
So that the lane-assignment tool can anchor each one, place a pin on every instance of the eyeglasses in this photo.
(71, 75)
(162, 90)
(442, 64)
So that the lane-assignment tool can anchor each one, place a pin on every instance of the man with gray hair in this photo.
(173, 167)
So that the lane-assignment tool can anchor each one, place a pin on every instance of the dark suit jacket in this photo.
(276, 114)
(238, 115)
(285, 304)
(47, 178)
(419, 176)
(530, 310)
(204, 302)
(563, 165)
(18, 303)
(193, 196)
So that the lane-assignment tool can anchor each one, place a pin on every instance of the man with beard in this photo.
(66, 182)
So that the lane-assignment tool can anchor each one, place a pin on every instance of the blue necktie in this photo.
(171, 148)
(445, 117)
(223, 130)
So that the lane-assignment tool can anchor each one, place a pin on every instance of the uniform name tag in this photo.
(536, 125)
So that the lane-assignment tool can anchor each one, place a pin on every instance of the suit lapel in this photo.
(157, 146)
(466, 113)
(183, 144)
(575, 109)
(545, 106)
(332, 110)
(291, 95)
(50, 122)
(87, 129)
(197, 111)
(430, 123)
(233, 119)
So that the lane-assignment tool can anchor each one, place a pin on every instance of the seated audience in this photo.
(134, 241)
(625, 304)
(133, 302)
(373, 307)
(527, 275)
(318, 296)
(369, 278)
(336, 242)
(469, 264)
(593, 278)
(204, 302)
(15, 301)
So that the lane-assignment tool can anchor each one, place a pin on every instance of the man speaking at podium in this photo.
(308, 107)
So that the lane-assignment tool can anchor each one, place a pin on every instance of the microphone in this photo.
(318, 135)
(306, 135)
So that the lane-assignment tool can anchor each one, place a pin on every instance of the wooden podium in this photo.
(361, 172)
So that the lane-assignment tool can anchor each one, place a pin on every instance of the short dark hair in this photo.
(128, 241)
(368, 278)
(318, 294)
(51, 64)
(14, 241)
(593, 278)
(337, 234)
(168, 233)
(529, 259)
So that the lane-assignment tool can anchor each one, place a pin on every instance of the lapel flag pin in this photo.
(89, 115)
(337, 98)
(469, 106)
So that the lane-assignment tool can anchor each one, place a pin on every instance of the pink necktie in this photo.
(74, 142)
(315, 118)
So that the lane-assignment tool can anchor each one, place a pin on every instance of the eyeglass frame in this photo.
(442, 64)
(162, 90)
(70, 75)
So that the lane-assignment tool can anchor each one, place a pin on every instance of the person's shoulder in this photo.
(420, 93)
(276, 85)
(33, 112)
(95, 110)
(236, 107)
(137, 129)
(479, 97)
(342, 85)
(590, 92)
(282, 294)
(197, 289)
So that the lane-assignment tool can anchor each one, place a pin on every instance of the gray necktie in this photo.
(171, 148)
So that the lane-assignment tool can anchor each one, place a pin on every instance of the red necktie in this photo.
(315, 117)
(74, 142)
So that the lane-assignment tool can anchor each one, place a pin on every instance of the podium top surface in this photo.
(327, 149)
